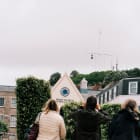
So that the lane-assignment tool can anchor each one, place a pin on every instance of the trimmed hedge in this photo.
(31, 94)
(112, 109)
(68, 108)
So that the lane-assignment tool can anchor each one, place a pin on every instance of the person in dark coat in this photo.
(88, 120)
(126, 124)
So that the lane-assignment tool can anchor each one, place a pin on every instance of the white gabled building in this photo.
(65, 91)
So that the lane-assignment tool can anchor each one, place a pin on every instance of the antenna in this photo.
(116, 64)
(99, 39)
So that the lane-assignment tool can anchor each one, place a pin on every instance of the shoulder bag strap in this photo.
(38, 118)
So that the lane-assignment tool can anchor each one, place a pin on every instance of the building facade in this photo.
(65, 91)
(8, 110)
(120, 91)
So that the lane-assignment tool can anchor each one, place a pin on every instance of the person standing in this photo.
(88, 120)
(51, 124)
(125, 125)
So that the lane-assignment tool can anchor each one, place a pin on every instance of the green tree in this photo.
(31, 94)
(54, 78)
(77, 79)
(95, 77)
(133, 72)
(114, 76)
(74, 73)
(3, 127)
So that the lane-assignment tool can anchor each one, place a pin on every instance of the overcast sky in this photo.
(40, 37)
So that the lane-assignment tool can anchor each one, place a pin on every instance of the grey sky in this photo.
(40, 37)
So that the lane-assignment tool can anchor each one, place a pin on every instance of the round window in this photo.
(64, 91)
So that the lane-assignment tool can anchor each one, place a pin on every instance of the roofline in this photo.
(72, 84)
(7, 88)
(131, 78)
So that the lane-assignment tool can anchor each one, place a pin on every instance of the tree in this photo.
(114, 76)
(3, 127)
(74, 73)
(78, 78)
(54, 78)
(31, 94)
(133, 72)
(95, 77)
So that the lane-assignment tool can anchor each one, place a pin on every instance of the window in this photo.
(13, 102)
(1, 101)
(1, 117)
(98, 99)
(101, 98)
(115, 89)
(133, 87)
(105, 100)
(12, 121)
(12, 137)
(110, 95)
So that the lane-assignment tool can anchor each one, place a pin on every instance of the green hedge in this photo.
(31, 94)
(67, 109)
(112, 109)
(70, 107)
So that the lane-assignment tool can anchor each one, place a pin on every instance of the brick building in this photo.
(8, 110)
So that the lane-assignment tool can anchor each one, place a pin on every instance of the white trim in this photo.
(12, 105)
(2, 115)
(136, 88)
(12, 120)
(72, 85)
(12, 137)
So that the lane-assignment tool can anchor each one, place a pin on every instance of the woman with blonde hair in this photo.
(126, 123)
(51, 124)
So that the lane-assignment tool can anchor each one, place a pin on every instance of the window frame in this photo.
(2, 97)
(12, 121)
(130, 88)
(12, 137)
(2, 116)
(13, 105)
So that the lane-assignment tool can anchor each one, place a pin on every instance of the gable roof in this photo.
(68, 83)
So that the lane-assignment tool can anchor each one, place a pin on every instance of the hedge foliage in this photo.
(31, 94)
(3, 127)
(68, 108)
(112, 109)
